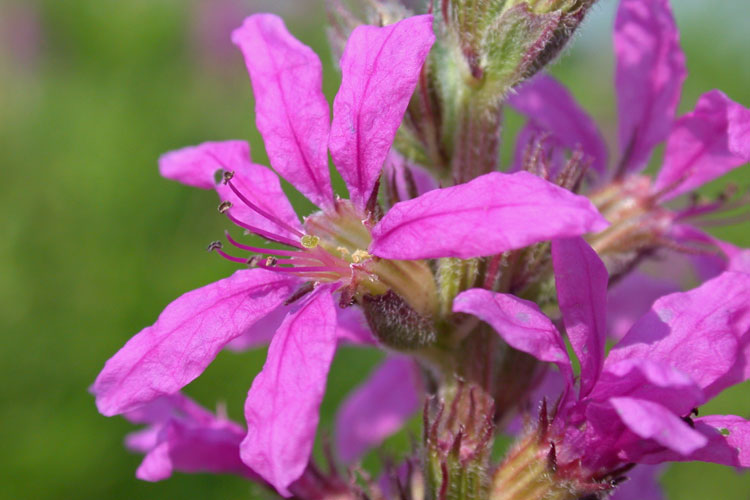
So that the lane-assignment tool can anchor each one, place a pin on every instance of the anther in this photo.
(271, 261)
(227, 176)
(310, 241)
(252, 261)
(224, 206)
(214, 245)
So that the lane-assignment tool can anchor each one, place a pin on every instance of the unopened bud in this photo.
(396, 324)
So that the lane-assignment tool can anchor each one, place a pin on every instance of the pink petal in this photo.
(649, 75)
(581, 280)
(261, 332)
(705, 144)
(380, 68)
(282, 404)
(171, 353)
(728, 443)
(642, 484)
(729, 440)
(631, 298)
(650, 420)
(197, 166)
(551, 108)
(291, 111)
(740, 261)
(192, 449)
(166, 407)
(519, 322)
(352, 328)
(185, 437)
(649, 380)
(489, 215)
(156, 465)
(377, 408)
(701, 332)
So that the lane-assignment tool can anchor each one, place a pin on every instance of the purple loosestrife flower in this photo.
(180, 435)
(635, 405)
(183, 436)
(701, 145)
(380, 68)
(347, 253)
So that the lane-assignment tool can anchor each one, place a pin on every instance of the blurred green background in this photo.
(94, 243)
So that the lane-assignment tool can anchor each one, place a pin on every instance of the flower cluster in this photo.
(474, 281)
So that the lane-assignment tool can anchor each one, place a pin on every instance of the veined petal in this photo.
(197, 166)
(519, 322)
(651, 420)
(489, 215)
(380, 68)
(728, 443)
(183, 436)
(649, 380)
(291, 111)
(553, 109)
(702, 332)
(261, 332)
(282, 404)
(705, 144)
(631, 298)
(187, 448)
(729, 440)
(581, 280)
(352, 328)
(377, 408)
(649, 74)
(188, 335)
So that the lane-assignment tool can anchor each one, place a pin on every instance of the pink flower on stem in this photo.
(637, 404)
(183, 436)
(701, 145)
(293, 117)
(340, 254)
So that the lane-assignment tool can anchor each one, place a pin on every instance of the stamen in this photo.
(232, 258)
(360, 255)
(268, 251)
(310, 241)
(265, 234)
(311, 269)
(228, 181)
(214, 245)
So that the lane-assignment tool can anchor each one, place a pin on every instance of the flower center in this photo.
(333, 249)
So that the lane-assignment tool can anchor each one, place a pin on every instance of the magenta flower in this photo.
(701, 145)
(282, 404)
(183, 436)
(339, 254)
(635, 405)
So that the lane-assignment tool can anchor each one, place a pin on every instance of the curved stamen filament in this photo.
(267, 235)
(231, 258)
(228, 181)
(267, 251)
